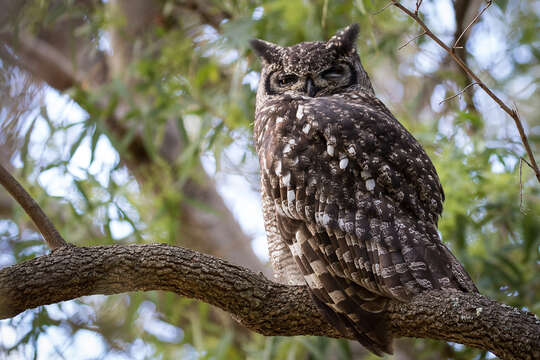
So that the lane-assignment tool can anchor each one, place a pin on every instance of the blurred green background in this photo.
(130, 121)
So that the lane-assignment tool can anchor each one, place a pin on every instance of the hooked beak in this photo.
(311, 90)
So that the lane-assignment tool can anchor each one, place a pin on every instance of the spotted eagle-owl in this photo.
(350, 198)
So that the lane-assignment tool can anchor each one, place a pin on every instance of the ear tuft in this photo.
(267, 51)
(345, 40)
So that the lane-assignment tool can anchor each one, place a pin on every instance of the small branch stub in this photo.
(458, 94)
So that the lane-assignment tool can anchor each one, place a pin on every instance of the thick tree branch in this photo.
(259, 304)
(451, 51)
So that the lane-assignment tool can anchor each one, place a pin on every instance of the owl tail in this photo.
(370, 329)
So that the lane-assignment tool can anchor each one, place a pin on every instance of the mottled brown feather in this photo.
(350, 192)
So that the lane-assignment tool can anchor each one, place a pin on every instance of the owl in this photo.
(350, 198)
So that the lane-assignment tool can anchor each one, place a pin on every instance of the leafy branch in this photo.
(477, 81)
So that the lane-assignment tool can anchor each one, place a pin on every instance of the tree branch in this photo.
(31, 207)
(259, 304)
(512, 112)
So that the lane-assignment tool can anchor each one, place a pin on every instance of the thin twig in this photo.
(418, 4)
(384, 8)
(526, 162)
(513, 113)
(410, 41)
(459, 93)
(45, 226)
(521, 161)
(471, 24)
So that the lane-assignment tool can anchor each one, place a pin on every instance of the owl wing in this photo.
(357, 201)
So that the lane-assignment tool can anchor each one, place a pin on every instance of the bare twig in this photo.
(418, 4)
(410, 41)
(45, 226)
(459, 93)
(471, 23)
(384, 8)
(526, 162)
(512, 112)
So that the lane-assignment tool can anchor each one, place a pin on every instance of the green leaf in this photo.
(25, 147)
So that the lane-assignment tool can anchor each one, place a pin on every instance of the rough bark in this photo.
(259, 304)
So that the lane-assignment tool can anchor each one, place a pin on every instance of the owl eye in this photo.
(289, 79)
(334, 73)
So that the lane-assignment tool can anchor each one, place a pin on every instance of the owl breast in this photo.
(338, 149)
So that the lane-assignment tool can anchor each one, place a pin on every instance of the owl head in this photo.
(312, 69)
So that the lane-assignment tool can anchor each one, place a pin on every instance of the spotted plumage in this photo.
(351, 200)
